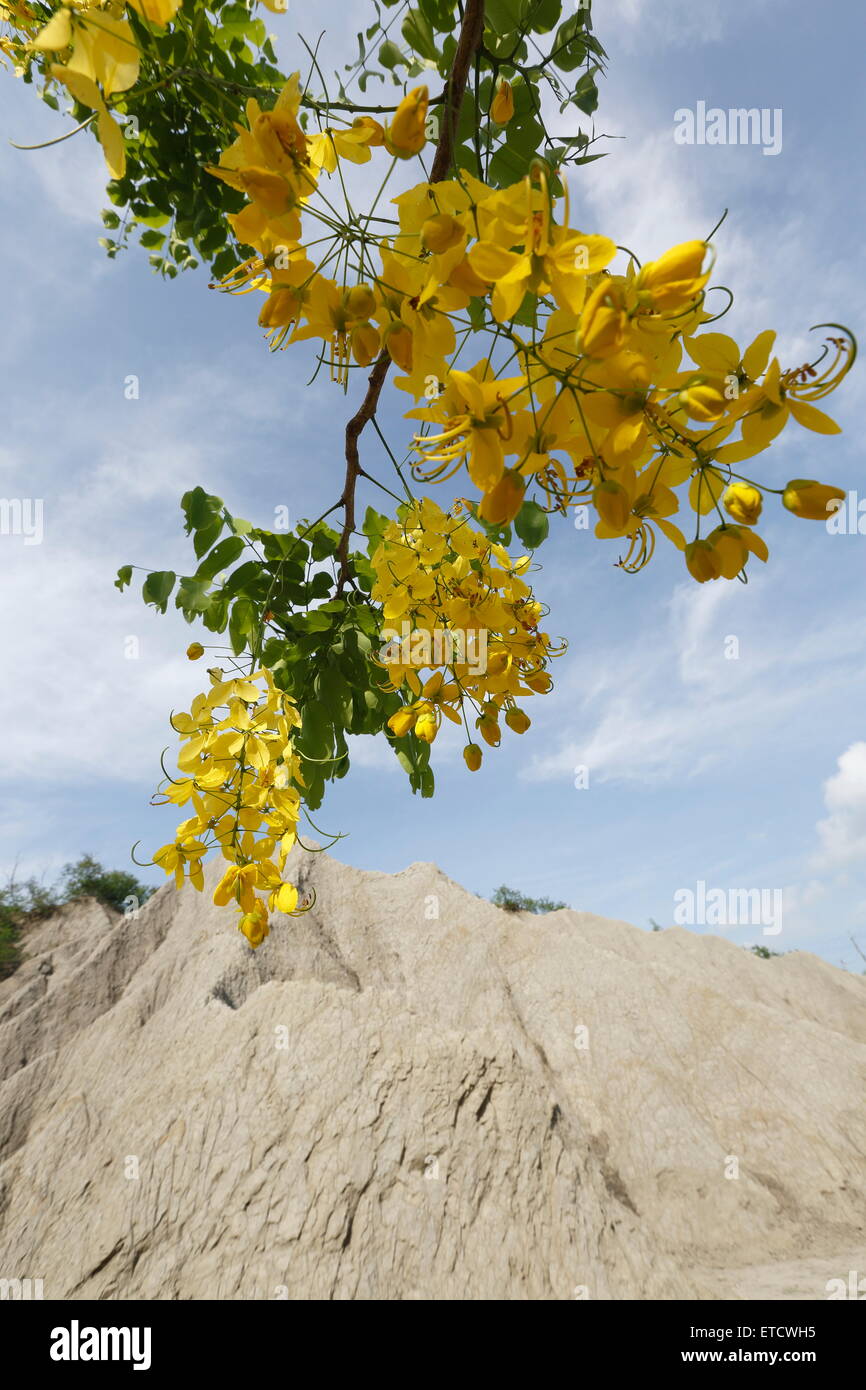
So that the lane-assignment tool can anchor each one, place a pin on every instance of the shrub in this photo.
(511, 901)
(23, 904)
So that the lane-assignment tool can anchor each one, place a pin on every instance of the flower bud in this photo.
(502, 107)
(517, 720)
(472, 756)
(675, 277)
(360, 302)
(813, 501)
(731, 550)
(194, 651)
(406, 136)
(743, 502)
(489, 729)
(401, 722)
(703, 561)
(254, 924)
(427, 726)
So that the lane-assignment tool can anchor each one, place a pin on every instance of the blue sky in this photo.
(743, 774)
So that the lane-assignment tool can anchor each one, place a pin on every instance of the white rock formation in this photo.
(409, 1094)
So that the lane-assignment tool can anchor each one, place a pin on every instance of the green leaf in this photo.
(540, 15)
(200, 508)
(390, 56)
(586, 93)
(246, 578)
(206, 537)
(418, 33)
(532, 525)
(220, 557)
(569, 49)
(157, 588)
(193, 597)
(243, 623)
(124, 577)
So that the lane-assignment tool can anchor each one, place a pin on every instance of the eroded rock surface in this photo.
(409, 1094)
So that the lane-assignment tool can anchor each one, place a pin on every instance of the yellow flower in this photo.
(554, 260)
(442, 232)
(173, 858)
(284, 899)
(613, 504)
(502, 503)
(703, 561)
(194, 651)
(472, 756)
(402, 722)
(352, 144)
(811, 500)
(489, 729)
(603, 322)
(502, 107)
(158, 11)
(517, 720)
(254, 924)
(238, 882)
(743, 502)
(406, 135)
(675, 278)
(477, 424)
(703, 401)
(103, 59)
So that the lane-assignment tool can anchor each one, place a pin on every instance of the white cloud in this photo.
(842, 834)
(658, 707)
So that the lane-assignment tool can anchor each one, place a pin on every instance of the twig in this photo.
(471, 34)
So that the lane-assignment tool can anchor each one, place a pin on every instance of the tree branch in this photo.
(471, 34)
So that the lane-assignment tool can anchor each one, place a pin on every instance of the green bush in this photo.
(22, 904)
(511, 901)
(88, 879)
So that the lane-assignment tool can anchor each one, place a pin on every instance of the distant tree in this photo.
(23, 904)
(20, 903)
(764, 952)
(88, 879)
(511, 901)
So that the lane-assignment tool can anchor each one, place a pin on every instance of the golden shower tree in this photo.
(421, 242)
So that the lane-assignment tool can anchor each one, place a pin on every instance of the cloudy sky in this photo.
(741, 774)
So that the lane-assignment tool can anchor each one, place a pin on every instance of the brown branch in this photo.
(471, 34)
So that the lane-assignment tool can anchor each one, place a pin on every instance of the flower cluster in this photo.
(469, 616)
(239, 771)
(97, 51)
(598, 390)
